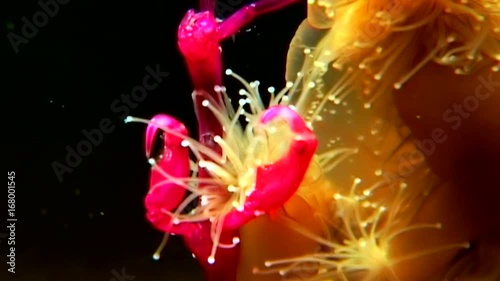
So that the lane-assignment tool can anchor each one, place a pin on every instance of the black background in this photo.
(63, 81)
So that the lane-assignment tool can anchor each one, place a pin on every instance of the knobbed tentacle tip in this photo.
(211, 260)
(152, 161)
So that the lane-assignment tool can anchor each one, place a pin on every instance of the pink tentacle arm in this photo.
(167, 191)
(199, 44)
(164, 194)
(277, 182)
(199, 38)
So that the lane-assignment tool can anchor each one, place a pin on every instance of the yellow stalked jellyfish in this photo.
(402, 89)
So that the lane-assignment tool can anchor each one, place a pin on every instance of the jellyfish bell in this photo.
(277, 181)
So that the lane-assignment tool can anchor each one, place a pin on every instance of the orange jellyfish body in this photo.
(401, 95)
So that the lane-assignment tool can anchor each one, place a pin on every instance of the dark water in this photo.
(63, 84)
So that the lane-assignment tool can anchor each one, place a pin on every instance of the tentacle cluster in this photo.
(392, 40)
(358, 247)
(261, 165)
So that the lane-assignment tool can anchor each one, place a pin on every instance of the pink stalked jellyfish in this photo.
(239, 173)
(258, 169)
